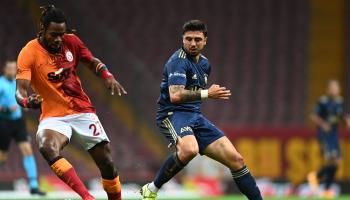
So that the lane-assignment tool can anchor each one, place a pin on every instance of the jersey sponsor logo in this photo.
(178, 74)
(58, 75)
(194, 77)
(69, 56)
(185, 129)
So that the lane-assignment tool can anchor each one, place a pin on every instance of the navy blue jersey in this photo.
(8, 99)
(181, 69)
(330, 110)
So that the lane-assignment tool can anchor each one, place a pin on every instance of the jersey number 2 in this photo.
(94, 132)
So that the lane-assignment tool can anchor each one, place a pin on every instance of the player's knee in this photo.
(26, 148)
(49, 150)
(187, 153)
(237, 162)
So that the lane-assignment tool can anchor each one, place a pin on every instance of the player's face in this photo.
(53, 36)
(333, 88)
(194, 42)
(10, 70)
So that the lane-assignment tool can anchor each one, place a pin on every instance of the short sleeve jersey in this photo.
(330, 110)
(8, 100)
(54, 76)
(181, 69)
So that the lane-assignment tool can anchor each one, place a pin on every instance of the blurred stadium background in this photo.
(275, 56)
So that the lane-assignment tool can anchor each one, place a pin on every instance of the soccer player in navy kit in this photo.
(327, 115)
(179, 117)
(12, 126)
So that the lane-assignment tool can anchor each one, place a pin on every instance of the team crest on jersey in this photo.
(69, 56)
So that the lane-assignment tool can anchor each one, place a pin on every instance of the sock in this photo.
(332, 170)
(321, 174)
(31, 171)
(65, 171)
(169, 169)
(112, 188)
(246, 183)
(152, 187)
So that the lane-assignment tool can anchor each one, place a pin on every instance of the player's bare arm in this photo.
(110, 81)
(178, 93)
(33, 101)
(320, 122)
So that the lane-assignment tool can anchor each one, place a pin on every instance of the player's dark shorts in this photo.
(180, 123)
(12, 129)
(329, 145)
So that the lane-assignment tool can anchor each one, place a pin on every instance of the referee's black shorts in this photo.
(12, 129)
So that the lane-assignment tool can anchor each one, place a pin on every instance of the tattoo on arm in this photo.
(183, 94)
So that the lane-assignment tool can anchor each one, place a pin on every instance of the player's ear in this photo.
(205, 39)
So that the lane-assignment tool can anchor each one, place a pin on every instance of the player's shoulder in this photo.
(30, 49)
(204, 58)
(32, 45)
(71, 37)
(323, 99)
(178, 57)
(339, 99)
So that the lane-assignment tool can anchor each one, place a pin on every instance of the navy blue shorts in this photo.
(329, 145)
(182, 123)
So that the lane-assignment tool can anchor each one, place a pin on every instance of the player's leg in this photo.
(224, 152)
(101, 153)
(93, 138)
(30, 168)
(215, 145)
(22, 138)
(331, 154)
(53, 135)
(186, 150)
(6, 136)
(177, 130)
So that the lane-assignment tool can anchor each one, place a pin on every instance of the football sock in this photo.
(112, 188)
(65, 171)
(323, 173)
(169, 169)
(332, 169)
(31, 171)
(246, 183)
(153, 187)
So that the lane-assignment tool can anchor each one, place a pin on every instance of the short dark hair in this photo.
(51, 14)
(195, 25)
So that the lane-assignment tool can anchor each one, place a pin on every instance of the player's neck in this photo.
(196, 58)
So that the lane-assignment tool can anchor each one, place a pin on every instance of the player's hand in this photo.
(113, 85)
(178, 143)
(34, 101)
(326, 127)
(218, 92)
